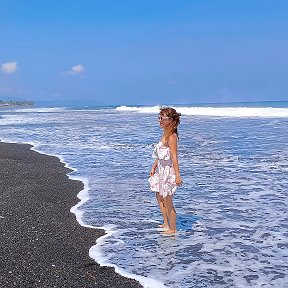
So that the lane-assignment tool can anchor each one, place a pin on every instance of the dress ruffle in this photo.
(163, 186)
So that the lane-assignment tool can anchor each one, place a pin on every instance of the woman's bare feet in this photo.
(169, 232)
(164, 226)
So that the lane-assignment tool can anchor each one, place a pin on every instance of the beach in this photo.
(42, 244)
(232, 208)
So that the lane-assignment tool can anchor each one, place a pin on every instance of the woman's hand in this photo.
(178, 180)
(152, 172)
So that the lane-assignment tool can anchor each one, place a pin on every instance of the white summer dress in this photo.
(163, 181)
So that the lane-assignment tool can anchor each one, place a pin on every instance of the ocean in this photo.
(232, 207)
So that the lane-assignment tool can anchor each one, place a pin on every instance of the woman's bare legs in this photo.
(171, 213)
(163, 210)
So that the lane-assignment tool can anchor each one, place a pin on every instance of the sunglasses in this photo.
(161, 118)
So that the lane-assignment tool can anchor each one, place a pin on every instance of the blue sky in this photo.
(144, 52)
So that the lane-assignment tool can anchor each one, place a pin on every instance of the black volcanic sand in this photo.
(42, 244)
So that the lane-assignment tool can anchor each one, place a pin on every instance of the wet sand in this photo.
(42, 244)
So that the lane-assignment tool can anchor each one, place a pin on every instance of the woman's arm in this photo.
(152, 172)
(173, 146)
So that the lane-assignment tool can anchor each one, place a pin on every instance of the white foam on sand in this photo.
(95, 252)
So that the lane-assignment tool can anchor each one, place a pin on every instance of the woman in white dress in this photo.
(165, 174)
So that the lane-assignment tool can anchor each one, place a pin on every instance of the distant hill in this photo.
(16, 103)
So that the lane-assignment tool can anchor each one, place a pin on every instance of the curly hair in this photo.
(175, 117)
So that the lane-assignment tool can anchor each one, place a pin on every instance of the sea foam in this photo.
(40, 110)
(264, 112)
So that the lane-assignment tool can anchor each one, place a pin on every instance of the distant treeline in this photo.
(16, 103)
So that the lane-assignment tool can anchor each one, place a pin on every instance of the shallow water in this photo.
(232, 208)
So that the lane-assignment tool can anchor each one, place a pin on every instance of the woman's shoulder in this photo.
(173, 140)
(173, 137)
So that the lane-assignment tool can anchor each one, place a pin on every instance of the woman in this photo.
(165, 174)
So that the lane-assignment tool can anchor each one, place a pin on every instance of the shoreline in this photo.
(43, 245)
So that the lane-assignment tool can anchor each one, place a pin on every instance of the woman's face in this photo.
(164, 121)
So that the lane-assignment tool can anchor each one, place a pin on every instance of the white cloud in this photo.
(9, 68)
(77, 70)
